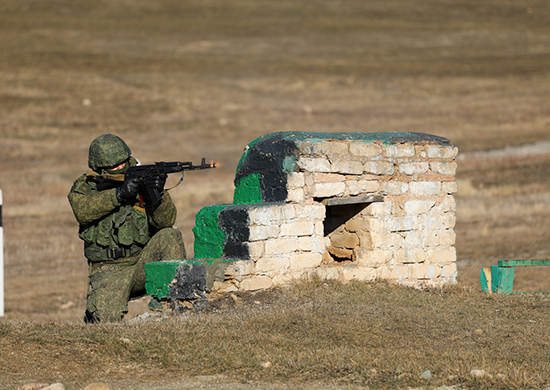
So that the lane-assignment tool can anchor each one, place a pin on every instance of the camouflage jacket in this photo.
(112, 230)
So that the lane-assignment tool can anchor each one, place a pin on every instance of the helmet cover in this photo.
(107, 150)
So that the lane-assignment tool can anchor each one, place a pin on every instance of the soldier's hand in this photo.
(128, 190)
(156, 182)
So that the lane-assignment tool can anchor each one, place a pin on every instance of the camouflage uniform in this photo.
(119, 239)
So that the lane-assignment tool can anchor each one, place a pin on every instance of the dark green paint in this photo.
(248, 190)
(209, 237)
(522, 263)
(502, 276)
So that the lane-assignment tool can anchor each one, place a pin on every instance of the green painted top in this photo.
(387, 138)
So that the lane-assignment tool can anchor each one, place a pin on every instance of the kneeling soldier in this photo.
(121, 229)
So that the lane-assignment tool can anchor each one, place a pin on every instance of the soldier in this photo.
(122, 231)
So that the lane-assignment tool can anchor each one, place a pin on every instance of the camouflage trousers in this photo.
(113, 284)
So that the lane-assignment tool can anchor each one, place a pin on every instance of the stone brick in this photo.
(256, 249)
(420, 151)
(393, 272)
(296, 195)
(362, 274)
(400, 150)
(240, 268)
(417, 207)
(280, 246)
(449, 187)
(289, 212)
(333, 148)
(440, 238)
(269, 264)
(356, 187)
(413, 239)
(312, 164)
(379, 210)
(411, 255)
(379, 167)
(328, 273)
(449, 272)
(367, 150)
(315, 211)
(357, 224)
(312, 244)
(347, 167)
(341, 253)
(443, 167)
(395, 187)
(439, 221)
(301, 228)
(413, 168)
(365, 240)
(296, 179)
(327, 190)
(442, 152)
(401, 224)
(307, 147)
(319, 228)
(425, 187)
(424, 271)
(224, 287)
(258, 233)
(344, 240)
(378, 225)
(305, 260)
(372, 257)
(441, 256)
(386, 241)
(266, 215)
(256, 283)
(448, 204)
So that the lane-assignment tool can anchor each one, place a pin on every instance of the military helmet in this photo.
(107, 150)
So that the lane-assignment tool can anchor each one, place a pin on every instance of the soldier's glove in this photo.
(128, 190)
(156, 182)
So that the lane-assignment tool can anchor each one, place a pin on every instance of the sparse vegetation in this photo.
(180, 80)
(375, 335)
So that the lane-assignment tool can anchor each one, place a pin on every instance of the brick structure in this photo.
(346, 206)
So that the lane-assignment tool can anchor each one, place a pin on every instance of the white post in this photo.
(1, 260)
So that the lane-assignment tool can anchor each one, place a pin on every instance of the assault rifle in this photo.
(142, 172)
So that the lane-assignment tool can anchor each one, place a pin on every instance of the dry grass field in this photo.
(182, 80)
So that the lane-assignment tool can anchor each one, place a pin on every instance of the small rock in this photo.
(67, 305)
(266, 364)
(34, 386)
(97, 386)
(426, 375)
(55, 386)
(480, 374)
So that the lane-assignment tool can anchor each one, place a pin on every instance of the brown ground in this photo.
(182, 80)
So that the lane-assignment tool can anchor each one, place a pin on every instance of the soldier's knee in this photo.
(107, 312)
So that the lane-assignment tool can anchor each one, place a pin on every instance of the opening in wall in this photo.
(344, 237)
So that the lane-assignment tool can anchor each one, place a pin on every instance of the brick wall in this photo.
(347, 206)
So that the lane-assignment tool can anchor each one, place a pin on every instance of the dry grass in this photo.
(182, 80)
(373, 335)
